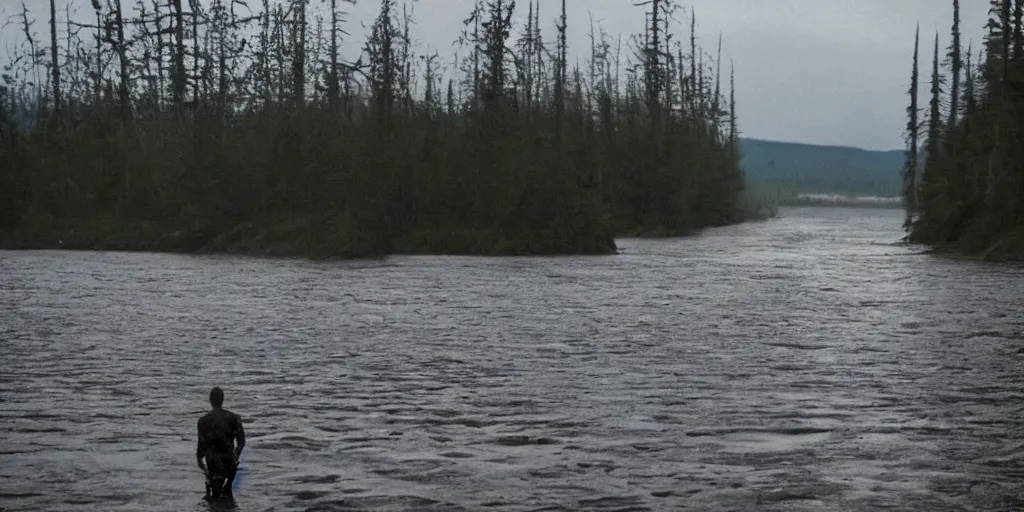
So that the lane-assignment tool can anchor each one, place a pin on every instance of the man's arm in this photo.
(239, 437)
(200, 446)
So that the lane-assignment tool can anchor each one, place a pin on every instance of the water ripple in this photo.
(804, 363)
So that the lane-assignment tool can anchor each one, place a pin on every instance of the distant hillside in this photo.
(806, 168)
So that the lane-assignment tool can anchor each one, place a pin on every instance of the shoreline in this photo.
(297, 237)
(841, 200)
(296, 240)
(1007, 249)
(319, 238)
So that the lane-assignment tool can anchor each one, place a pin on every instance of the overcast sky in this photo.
(816, 71)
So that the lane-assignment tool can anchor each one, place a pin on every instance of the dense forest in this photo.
(226, 126)
(964, 172)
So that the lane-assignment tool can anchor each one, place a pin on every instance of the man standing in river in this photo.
(221, 439)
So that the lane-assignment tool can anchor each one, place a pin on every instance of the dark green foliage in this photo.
(13, 187)
(972, 189)
(955, 57)
(911, 167)
(194, 141)
(931, 198)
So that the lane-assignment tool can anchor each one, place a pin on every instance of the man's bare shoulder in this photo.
(207, 418)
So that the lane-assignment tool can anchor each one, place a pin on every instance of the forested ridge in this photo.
(227, 126)
(964, 172)
(818, 169)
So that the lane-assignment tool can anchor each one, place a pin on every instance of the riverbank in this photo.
(1006, 249)
(322, 237)
(332, 236)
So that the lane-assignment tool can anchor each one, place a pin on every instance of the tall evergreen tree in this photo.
(283, 147)
(972, 194)
(561, 68)
(910, 169)
(733, 132)
(54, 64)
(932, 205)
(956, 64)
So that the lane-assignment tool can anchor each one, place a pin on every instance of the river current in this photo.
(808, 362)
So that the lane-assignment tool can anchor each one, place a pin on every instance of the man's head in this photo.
(217, 397)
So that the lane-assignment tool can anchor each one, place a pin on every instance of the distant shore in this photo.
(843, 200)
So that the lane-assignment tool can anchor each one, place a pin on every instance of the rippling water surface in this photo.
(804, 363)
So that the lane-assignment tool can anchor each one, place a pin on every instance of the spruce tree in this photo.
(910, 169)
(972, 194)
(179, 133)
(956, 63)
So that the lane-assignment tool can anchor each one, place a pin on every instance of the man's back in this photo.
(221, 439)
(218, 430)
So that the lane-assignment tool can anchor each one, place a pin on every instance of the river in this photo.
(808, 362)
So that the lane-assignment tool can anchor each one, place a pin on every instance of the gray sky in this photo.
(816, 71)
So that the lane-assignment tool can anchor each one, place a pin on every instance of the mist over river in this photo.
(808, 362)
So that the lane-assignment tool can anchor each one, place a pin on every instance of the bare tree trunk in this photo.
(279, 46)
(666, 72)
(593, 65)
(701, 86)
(194, 5)
(333, 86)
(684, 84)
(54, 64)
(299, 59)
(560, 72)
(263, 59)
(122, 57)
(652, 67)
(539, 53)
(223, 25)
(694, 91)
(478, 11)
(178, 82)
(99, 51)
(158, 98)
(715, 105)
(406, 61)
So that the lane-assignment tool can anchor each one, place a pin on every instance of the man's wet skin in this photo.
(221, 439)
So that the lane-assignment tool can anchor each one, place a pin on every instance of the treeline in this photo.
(964, 175)
(213, 127)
